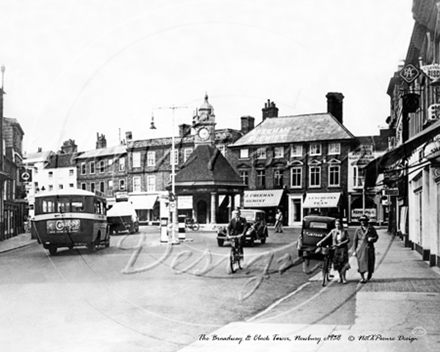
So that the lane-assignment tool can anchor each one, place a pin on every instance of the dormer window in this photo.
(334, 148)
(315, 149)
(261, 153)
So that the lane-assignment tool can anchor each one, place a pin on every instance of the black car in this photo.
(314, 229)
(256, 229)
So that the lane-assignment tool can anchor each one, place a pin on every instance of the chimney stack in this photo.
(101, 142)
(334, 105)
(269, 110)
(69, 147)
(247, 124)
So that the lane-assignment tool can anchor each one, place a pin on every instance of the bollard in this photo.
(182, 231)
(164, 230)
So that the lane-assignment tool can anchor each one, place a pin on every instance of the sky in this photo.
(74, 69)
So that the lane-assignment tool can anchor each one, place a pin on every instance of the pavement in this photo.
(398, 310)
(16, 242)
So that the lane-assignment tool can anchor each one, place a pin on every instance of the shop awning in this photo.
(321, 200)
(143, 201)
(387, 160)
(262, 198)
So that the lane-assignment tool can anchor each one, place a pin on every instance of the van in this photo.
(122, 217)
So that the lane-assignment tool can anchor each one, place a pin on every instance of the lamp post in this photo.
(174, 240)
(2, 92)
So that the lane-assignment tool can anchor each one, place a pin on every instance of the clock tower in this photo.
(204, 124)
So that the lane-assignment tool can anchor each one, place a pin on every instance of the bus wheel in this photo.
(107, 237)
(53, 250)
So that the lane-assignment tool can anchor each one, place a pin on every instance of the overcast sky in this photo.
(82, 67)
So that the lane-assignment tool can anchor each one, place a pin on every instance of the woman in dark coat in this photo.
(363, 248)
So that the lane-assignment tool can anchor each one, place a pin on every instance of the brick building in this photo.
(103, 169)
(297, 163)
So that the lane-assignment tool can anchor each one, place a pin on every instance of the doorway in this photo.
(202, 209)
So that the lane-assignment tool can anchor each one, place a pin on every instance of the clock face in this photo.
(203, 134)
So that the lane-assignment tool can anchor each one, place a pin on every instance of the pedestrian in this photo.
(340, 239)
(363, 248)
(237, 226)
(279, 221)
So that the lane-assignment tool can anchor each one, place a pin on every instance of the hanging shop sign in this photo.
(409, 73)
(432, 71)
(434, 112)
(391, 191)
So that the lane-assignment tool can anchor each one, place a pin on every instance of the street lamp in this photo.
(174, 240)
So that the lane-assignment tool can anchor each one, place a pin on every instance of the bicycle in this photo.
(236, 256)
(193, 225)
(327, 263)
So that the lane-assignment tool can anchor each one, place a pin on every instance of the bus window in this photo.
(98, 207)
(77, 205)
(48, 206)
(63, 205)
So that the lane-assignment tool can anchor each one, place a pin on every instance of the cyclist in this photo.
(236, 227)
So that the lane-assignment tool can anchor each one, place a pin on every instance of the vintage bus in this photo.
(69, 218)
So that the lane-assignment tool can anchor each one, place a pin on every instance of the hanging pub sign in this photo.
(434, 112)
(26, 175)
(409, 73)
(432, 71)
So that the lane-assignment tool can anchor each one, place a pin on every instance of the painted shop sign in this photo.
(272, 134)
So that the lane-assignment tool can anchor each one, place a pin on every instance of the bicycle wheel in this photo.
(325, 270)
(232, 261)
(239, 259)
(195, 226)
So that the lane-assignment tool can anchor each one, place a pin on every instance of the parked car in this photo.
(256, 230)
(314, 229)
(122, 217)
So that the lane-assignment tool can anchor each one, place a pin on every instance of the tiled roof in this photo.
(220, 134)
(207, 165)
(157, 142)
(378, 142)
(37, 157)
(61, 160)
(97, 153)
(299, 128)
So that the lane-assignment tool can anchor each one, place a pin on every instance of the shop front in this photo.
(146, 206)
